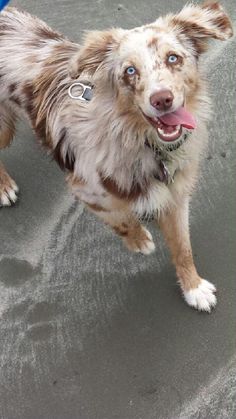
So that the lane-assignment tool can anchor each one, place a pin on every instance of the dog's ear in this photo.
(200, 23)
(96, 48)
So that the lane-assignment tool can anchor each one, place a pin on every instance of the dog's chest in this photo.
(156, 163)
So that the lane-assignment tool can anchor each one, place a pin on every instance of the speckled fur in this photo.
(101, 144)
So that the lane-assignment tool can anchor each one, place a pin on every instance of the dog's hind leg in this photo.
(174, 224)
(8, 188)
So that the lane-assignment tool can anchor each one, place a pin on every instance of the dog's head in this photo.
(153, 70)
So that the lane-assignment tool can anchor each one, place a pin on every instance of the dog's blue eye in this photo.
(130, 70)
(172, 59)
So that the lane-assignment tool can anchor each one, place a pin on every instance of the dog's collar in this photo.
(159, 150)
(163, 174)
(83, 90)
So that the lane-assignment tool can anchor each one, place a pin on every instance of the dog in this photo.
(124, 115)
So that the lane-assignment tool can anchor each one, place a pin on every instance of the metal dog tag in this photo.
(163, 173)
(86, 94)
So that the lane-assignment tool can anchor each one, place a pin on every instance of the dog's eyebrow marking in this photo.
(153, 42)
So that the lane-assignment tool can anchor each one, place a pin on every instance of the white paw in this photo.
(8, 195)
(141, 242)
(202, 298)
(147, 246)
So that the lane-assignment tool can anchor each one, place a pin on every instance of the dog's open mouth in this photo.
(169, 126)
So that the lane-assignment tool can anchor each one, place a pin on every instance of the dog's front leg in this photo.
(115, 213)
(134, 235)
(174, 224)
(8, 188)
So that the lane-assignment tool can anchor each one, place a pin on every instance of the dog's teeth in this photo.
(169, 135)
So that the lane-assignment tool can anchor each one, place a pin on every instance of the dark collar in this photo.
(172, 147)
(162, 172)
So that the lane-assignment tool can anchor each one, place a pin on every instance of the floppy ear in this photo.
(200, 23)
(97, 47)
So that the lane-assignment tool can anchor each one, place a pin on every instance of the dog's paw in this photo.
(8, 193)
(141, 242)
(202, 298)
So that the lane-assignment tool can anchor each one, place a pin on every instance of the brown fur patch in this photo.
(12, 87)
(194, 86)
(5, 28)
(49, 88)
(6, 182)
(48, 33)
(16, 100)
(136, 190)
(129, 81)
(7, 131)
(32, 101)
(140, 88)
(121, 231)
(126, 225)
(156, 64)
(153, 43)
(192, 28)
(5, 138)
(175, 231)
(177, 64)
(135, 237)
(65, 161)
(96, 47)
(200, 26)
(223, 23)
(199, 45)
(28, 93)
(211, 4)
(75, 181)
(96, 207)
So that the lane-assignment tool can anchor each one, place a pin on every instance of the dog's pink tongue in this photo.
(179, 117)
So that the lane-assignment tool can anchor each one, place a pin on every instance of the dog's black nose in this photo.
(162, 100)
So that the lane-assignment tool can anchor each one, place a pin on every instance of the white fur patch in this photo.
(9, 196)
(12, 195)
(148, 245)
(202, 298)
(4, 200)
(143, 245)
